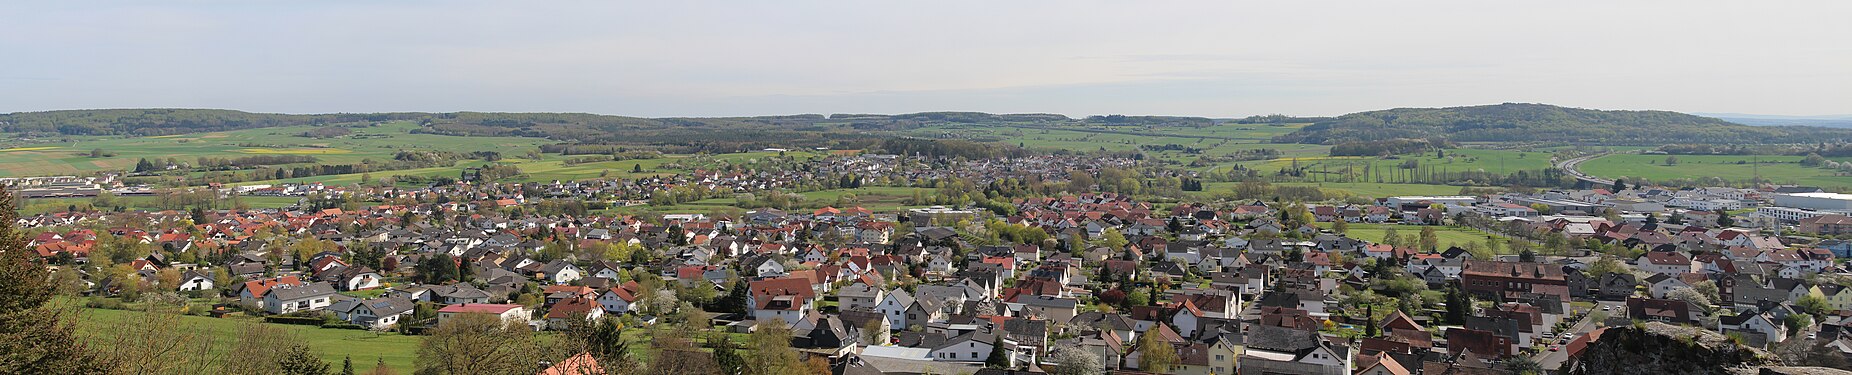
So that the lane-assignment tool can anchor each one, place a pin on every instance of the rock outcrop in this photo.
(1658, 348)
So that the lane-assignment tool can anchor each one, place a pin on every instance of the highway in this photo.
(1569, 166)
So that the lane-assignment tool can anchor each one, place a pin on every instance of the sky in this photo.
(710, 58)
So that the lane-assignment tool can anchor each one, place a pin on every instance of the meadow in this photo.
(1780, 169)
(376, 142)
(365, 347)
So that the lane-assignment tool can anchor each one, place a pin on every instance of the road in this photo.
(1552, 360)
(1570, 164)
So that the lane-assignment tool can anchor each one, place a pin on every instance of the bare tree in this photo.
(479, 344)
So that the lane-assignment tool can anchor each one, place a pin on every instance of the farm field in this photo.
(1495, 161)
(1780, 169)
(377, 142)
(1449, 236)
(1358, 189)
(1216, 140)
(399, 351)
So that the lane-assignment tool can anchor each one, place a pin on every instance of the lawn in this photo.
(1734, 168)
(399, 351)
(1449, 236)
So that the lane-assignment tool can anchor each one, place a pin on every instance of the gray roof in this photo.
(291, 293)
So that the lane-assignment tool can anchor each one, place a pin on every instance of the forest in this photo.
(1513, 122)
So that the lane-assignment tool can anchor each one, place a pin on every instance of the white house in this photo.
(377, 313)
(284, 299)
(195, 280)
(617, 300)
(508, 313)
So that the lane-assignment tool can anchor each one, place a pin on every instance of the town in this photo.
(1071, 282)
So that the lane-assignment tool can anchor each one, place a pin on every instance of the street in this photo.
(1551, 360)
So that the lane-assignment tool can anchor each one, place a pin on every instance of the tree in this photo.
(1523, 365)
(1429, 240)
(1724, 220)
(1459, 304)
(1692, 296)
(1155, 356)
(299, 360)
(1671, 160)
(1619, 184)
(381, 368)
(1813, 305)
(1604, 265)
(1391, 238)
(38, 338)
(1074, 361)
(478, 344)
(771, 353)
(998, 359)
(1112, 239)
(1340, 226)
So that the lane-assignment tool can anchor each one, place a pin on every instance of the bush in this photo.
(344, 325)
(297, 320)
(105, 303)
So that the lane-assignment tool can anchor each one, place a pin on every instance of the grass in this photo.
(399, 351)
(1456, 160)
(1448, 236)
(1734, 168)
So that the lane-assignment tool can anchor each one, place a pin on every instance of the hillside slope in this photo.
(1517, 122)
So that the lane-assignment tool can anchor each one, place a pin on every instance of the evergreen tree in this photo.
(347, 365)
(298, 360)
(39, 339)
(998, 358)
(1724, 220)
(1619, 184)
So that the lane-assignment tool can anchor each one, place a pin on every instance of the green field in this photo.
(1218, 140)
(377, 142)
(1449, 236)
(1732, 168)
(365, 347)
(1494, 161)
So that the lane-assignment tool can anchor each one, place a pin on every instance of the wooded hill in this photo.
(683, 134)
(1517, 122)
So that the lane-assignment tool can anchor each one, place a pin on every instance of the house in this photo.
(974, 346)
(617, 300)
(507, 313)
(1272, 350)
(1662, 284)
(786, 299)
(459, 293)
(1666, 262)
(560, 272)
(896, 307)
(1616, 286)
(1761, 328)
(563, 313)
(1661, 310)
(195, 280)
(252, 293)
(356, 278)
(284, 299)
(859, 297)
(1058, 309)
(378, 313)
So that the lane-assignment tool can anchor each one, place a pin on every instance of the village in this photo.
(1087, 283)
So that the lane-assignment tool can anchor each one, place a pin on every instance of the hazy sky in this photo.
(710, 58)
